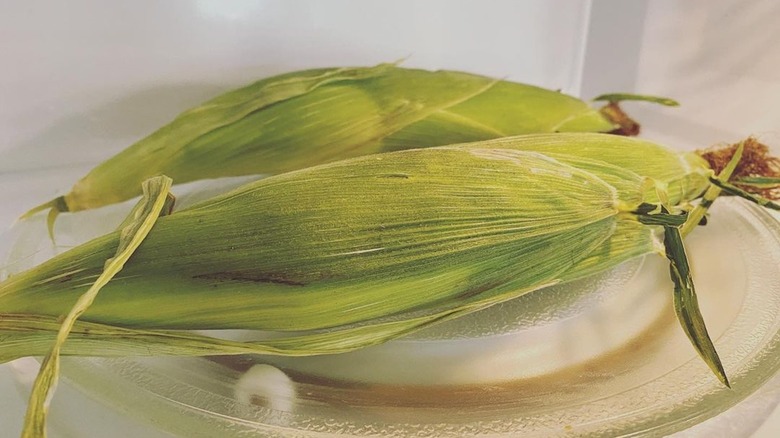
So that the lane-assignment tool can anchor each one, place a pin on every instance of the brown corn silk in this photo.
(756, 164)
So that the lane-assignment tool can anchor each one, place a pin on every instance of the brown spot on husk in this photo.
(756, 162)
(249, 277)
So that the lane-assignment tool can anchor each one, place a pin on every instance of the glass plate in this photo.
(599, 357)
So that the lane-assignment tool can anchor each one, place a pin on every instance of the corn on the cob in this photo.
(452, 221)
(306, 118)
(372, 248)
(283, 245)
(322, 242)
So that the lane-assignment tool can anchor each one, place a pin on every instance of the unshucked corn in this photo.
(357, 252)
(316, 226)
(311, 117)
(369, 237)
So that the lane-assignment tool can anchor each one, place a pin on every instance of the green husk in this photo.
(132, 232)
(624, 97)
(319, 230)
(736, 191)
(761, 182)
(358, 252)
(311, 117)
(684, 174)
(686, 305)
(283, 245)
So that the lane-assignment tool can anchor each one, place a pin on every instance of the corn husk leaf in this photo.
(736, 191)
(133, 232)
(684, 174)
(312, 117)
(326, 241)
(762, 182)
(623, 97)
(686, 305)
(30, 334)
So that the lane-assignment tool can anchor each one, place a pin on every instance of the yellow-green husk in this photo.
(357, 252)
(418, 230)
(305, 118)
